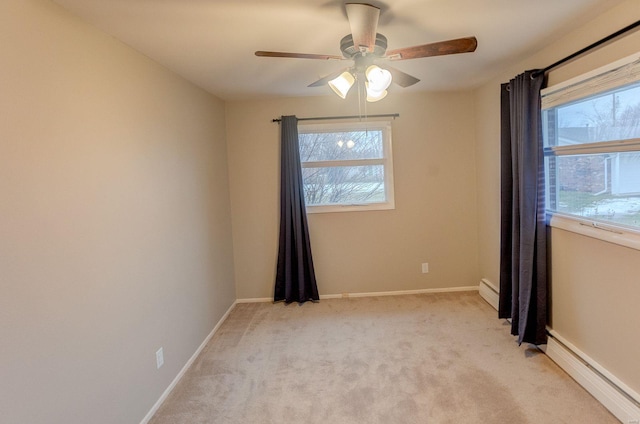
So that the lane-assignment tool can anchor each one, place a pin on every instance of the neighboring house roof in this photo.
(574, 135)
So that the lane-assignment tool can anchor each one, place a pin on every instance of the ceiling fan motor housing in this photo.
(349, 50)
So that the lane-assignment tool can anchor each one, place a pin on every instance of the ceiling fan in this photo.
(367, 48)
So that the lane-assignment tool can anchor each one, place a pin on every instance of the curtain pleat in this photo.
(295, 275)
(523, 248)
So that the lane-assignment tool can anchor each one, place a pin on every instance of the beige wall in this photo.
(434, 220)
(594, 284)
(115, 232)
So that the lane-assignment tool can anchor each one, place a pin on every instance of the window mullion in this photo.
(631, 145)
(335, 163)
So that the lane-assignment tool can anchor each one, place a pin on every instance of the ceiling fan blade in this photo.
(299, 55)
(327, 78)
(363, 19)
(459, 45)
(402, 79)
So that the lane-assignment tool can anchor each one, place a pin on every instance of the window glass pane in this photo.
(343, 185)
(341, 145)
(600, 186)
(612, 115)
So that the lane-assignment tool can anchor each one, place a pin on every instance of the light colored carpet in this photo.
(433, 358)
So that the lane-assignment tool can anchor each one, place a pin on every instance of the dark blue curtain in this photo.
(523, 249)
(295, 276)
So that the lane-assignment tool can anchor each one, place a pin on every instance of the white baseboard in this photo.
(255, 300)
(372, 294)
(400, 292)
(489, 292)
(184, 369)
(618, 398)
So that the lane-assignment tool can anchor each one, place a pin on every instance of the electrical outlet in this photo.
(159, 358)
(425, 268)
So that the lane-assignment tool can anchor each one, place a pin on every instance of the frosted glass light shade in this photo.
(374, 96)
(342, 84)
(379, 79)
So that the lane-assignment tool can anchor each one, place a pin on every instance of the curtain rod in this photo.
(324, 118)
(589, 47)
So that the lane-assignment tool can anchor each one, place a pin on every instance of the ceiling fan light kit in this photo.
(374, 96)
(367, 48)
(378, 80)
(342, 84)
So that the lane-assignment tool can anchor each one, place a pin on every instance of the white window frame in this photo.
(386, 161)
(580, 87)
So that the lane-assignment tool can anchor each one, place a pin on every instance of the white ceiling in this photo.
(212, 42)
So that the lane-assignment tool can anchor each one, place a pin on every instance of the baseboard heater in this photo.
(613, 394)
(616, 396)
(489, 292)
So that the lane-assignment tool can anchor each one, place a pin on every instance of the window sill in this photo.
(351, 208)
(605, 232)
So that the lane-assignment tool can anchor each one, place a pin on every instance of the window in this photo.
(591, 130)
(347, 166)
